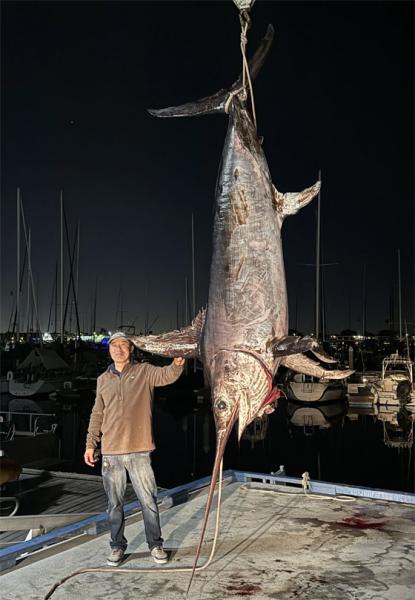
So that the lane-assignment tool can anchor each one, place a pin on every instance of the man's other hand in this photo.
(179, 361)
(89, 457)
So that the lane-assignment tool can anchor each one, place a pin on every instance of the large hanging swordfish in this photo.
(242, 337)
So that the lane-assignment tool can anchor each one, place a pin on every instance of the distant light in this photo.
(47, 337)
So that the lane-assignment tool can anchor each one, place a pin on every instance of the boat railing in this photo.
(26, 424)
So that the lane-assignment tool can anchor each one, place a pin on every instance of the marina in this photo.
(180, 334)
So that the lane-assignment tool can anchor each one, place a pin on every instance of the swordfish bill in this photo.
(242, 338)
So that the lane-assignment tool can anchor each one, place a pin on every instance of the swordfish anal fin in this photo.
(216, 102)
(291, 202)
(180, 342)
(302, 364)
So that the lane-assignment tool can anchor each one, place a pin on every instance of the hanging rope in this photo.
(245, 21)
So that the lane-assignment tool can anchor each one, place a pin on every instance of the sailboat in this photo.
(304, 388)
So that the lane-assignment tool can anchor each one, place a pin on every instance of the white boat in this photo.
(304, 388)
(396, 382)
(41, 372)
(359, 386)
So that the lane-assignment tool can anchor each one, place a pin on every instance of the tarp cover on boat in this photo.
(47, 358)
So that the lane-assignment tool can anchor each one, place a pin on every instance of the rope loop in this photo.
(245, 21)
(231, 96)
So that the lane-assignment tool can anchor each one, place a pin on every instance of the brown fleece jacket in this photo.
(122, 414)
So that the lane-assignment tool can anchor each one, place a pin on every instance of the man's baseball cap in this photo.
(118, 335)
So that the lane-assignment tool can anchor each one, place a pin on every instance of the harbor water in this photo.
(369, 445)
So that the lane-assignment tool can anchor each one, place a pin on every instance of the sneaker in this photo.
(159, 555)
(115, 558)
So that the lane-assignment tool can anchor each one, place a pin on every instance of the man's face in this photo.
(120, 350)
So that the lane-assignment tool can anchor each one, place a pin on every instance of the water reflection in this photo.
(397, 423)
(257, 430)
(318, 416)
(367, 444)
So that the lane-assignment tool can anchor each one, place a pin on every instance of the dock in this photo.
(277, 540)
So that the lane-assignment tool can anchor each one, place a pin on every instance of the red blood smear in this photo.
(243, 589)
(361, 523)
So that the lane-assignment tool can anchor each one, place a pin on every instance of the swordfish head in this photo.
(240, 385)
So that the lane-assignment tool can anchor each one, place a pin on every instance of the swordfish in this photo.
(242, 336)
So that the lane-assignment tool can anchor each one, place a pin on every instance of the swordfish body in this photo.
(242, 337)
(247, 308)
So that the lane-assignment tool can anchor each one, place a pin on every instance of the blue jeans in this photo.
(114, 478)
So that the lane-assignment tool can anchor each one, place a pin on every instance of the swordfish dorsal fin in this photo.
(302, 364)
(291, 202)
(216, 102)
(180, 342)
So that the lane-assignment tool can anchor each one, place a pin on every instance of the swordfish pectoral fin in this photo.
(183, 342)
(291, 202)
(323, 356)
(302, 364)
(293, 345)
(216, 102)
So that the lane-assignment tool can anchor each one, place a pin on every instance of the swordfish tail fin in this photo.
(216, 103)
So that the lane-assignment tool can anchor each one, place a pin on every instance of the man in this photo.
(121, 420)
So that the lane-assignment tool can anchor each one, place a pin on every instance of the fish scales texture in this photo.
(247, 305)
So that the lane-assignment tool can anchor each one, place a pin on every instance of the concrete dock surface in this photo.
(274, 542)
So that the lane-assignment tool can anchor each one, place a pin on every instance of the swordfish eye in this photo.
(221, 405)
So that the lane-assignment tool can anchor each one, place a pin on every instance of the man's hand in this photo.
(89, 457)
(179, 361)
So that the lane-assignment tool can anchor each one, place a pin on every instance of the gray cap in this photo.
(118, 335)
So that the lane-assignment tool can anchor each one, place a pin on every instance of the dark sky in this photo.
(336, 93)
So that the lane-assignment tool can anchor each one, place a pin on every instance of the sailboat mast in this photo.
(193, 280)
(364, 302)
(193, 270)
(317, 317)
(18, 269)
(94, 322)
(186, 302)
(55, 329)
(29, 269)
(28, 285)
(78, 232)
(61, 278)
(399, 293)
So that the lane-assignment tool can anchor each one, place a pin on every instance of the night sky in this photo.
(336, 93)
